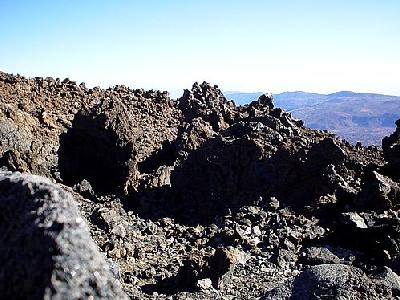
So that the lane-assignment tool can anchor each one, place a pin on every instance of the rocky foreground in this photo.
(150, 198)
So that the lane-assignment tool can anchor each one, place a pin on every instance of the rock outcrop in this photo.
(198, 198)
(391, 150)
(46, 250)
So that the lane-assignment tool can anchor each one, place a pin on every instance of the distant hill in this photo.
(364, 117)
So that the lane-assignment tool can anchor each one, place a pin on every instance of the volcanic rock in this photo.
(332, 281)
(46, 250)
(319, 255)
(189, 199)
(391, 150)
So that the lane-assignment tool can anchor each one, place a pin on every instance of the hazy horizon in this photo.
(254, 46)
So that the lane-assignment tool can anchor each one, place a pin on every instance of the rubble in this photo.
(199, 199)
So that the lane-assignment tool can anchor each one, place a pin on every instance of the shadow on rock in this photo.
(183, 281)
(90, 151)
(216, 178)
(223, 175)
(215, 271)
(165, 156)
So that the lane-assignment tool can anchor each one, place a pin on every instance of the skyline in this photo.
(167, 45)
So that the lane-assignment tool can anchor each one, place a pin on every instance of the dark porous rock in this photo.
(45, 247)
(284, 257)
(220, 266)
(390, 279)
(318, 255)
(391, 150)
(84, 188)
(327, 152)
(372, 237)
(330, 281)
(266, 99)
(207, 102)
(379, 192)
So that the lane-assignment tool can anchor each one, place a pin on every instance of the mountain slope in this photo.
(364, 117)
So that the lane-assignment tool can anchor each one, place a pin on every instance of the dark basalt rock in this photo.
(331, 281)
(391, 150)
(45, 247)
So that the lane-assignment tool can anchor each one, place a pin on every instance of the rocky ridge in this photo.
(200, 199)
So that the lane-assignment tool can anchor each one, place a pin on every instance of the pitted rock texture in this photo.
(45, 247)
(197, 198)
(334, 281)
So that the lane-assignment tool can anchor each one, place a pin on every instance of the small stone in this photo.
(319, 255)
(204, 284)
(84, 188)
(119, 230)
(273, 203)
(256, 230)
(115, 253)
(355, 219)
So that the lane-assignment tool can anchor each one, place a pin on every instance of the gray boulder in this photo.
(331, 281)
(46, 251)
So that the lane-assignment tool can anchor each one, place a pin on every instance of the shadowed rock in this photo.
(391, 150)
(90, 151)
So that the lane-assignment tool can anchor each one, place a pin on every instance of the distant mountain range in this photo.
(364, 117)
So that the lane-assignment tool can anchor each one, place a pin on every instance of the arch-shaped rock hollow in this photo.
(90, 151)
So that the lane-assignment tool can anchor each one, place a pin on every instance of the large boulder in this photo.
(46, 251)
(333, 281)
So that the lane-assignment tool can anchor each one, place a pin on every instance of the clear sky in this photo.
(252, 45)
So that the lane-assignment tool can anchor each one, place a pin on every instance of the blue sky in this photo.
(254, 45)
